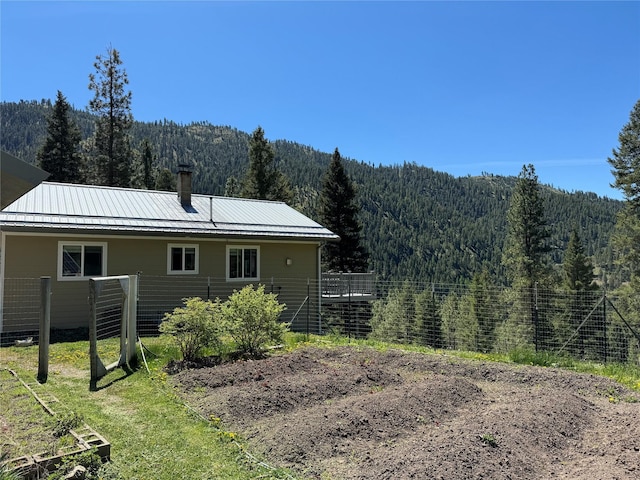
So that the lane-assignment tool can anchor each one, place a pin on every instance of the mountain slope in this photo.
(417, 223)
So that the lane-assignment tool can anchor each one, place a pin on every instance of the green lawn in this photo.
(154, 435)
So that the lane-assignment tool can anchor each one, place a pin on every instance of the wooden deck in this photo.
(348, 287)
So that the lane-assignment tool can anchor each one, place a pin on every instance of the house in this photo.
(17, 178)
(181, 244)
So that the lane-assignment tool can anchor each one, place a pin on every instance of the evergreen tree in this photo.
(526, 250)
(112, 104)
(60, 155)
(626, 161)
(394, 318)
(232, 187)
(428, 320)
(626, 164)
(148, 168)
(579, 279)
(577, 266)
(339, 213)
(166, 181)
(485, 309)
(263, 181)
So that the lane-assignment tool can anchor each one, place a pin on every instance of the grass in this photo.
(153, 434)
(34, 430)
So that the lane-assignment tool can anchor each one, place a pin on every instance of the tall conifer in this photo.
(112, 104)
(60, 154)
(626, 170)
(577, 266)
(148, 168)
(526, 251)
(263, 180)
(339, 213)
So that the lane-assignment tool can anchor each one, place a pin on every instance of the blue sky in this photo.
(461, 87)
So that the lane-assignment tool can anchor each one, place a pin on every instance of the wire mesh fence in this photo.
(158, 295)
(589, 324)
(108, 311)
(20, 310)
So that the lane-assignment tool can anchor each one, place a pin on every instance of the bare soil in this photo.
(357, 413)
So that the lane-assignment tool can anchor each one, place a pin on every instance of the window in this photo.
(182, 258)
(243, 263)
(80, 260)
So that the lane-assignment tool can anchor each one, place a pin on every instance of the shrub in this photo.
(251, 318)
(194, 326)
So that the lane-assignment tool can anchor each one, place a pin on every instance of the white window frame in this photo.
(228, 263)
(75, 278)
(183, 246)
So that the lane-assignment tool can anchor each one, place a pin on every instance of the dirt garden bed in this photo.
(356, 413)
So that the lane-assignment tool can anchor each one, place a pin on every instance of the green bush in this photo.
(194, 327)
(251, 318)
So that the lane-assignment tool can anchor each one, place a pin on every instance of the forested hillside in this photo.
(418, 223)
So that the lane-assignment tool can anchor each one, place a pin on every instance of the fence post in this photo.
(605, 347)
(534, 312)
(308, 304)
(132, 319)
(93, 336)
(125, 285)
(45, 328)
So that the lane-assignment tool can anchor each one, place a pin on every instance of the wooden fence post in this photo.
(45, 328)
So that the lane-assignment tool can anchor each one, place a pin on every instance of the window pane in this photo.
(71, 260)
(235, 262)
(176, 259)
(190, 259)
(92, 260)
(250, 263)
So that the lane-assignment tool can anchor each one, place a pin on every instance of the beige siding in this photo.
(36, 256)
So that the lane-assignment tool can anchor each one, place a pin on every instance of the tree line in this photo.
(411, 221)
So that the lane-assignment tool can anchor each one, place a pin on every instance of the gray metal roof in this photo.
(84, 208)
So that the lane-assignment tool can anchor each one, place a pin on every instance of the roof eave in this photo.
(122, 231)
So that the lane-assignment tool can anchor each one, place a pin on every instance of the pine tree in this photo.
(166, 181)
(626, 161)
(148, 169)
(626, 164)
(232, 187)
(60, 154)
(484, 301)
(428, 319)
(579, 279)
(577, 266)
(263, 181)
(526, 250)
(339, 213)
(112, 104)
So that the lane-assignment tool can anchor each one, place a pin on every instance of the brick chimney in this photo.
(184, 185)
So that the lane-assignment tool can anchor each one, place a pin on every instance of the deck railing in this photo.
(335, 285)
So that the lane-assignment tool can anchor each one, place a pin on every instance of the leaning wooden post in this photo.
(45, 327)
(93, 336)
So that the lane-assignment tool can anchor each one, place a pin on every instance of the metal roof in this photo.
(84, 208)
